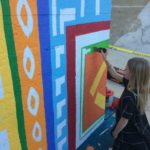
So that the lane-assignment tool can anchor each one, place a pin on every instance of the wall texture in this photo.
(52, 83)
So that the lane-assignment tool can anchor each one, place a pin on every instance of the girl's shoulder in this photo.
(130, 96)
(129, 93)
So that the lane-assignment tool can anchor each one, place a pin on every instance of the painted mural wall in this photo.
(52, 83)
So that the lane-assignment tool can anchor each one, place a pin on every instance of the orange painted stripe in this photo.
(95, 72)
(34, 141)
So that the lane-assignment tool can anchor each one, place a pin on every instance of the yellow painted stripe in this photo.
(129, 51)
(100, 100)
(8, 118)
(97, 79)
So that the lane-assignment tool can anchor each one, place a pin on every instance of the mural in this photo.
(90, 72)
(51, 79)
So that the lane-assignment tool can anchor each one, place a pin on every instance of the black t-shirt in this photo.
(127, 108)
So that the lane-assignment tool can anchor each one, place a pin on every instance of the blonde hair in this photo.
(139, 79)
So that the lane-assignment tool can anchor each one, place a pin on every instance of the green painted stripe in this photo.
(14, 71)
(104, 44)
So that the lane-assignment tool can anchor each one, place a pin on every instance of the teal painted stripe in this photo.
(14, 71)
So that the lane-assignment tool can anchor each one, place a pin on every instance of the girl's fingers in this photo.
(104, 55)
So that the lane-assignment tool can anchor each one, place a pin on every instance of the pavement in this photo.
(131, 24)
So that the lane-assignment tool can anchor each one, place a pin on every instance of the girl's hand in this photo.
(115, 135)
(104, 55)
(120, 126)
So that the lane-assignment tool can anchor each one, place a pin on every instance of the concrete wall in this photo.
(131, 24)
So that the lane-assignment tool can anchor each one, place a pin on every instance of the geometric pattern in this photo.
(74, 34)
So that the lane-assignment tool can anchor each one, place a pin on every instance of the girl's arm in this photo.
(120, 126)
(113, 72)
(111, 69)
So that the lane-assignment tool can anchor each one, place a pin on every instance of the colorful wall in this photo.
(52, 83)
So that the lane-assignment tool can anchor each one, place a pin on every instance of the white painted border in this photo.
(83, 41)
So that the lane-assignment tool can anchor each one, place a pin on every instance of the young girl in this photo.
(132, 130)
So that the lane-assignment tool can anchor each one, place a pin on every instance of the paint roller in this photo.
(100, 49)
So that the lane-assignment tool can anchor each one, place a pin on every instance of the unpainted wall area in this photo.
(130, 26)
